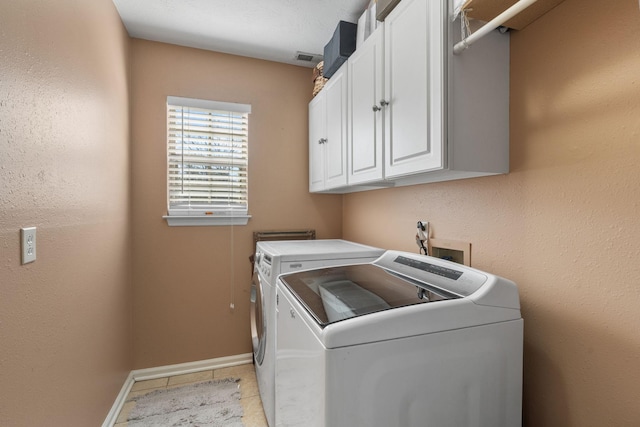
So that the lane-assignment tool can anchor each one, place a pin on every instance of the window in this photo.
(207, 159)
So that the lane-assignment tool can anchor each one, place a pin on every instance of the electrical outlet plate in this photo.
(28, 238)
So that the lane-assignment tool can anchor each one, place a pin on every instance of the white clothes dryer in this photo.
(273, 258)
(406, 341)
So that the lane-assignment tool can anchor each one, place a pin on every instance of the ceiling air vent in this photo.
(308, 57)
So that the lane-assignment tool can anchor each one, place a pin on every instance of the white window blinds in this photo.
(207, 149)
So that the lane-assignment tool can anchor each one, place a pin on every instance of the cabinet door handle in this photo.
(383, 103)
(322, 141)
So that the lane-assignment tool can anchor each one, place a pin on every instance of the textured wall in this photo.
(186, 277)
(564, 223)
(65, 320)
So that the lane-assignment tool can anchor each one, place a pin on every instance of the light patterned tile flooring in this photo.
(249, 395)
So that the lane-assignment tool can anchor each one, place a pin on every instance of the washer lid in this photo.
(401, 279)
(339, 293)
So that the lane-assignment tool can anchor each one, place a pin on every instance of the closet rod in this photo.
(515, 9)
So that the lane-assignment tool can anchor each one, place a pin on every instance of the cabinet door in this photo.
(365, 111)
(414, 65)
(336, 145)
(317, 134)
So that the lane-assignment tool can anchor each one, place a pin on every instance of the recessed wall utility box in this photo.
(339, 48)
(450, 250)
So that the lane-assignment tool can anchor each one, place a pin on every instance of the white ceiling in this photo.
(267, 29)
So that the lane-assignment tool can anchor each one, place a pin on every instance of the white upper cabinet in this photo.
(317, 135)
(328, 135)
(417, 113)
(365, 140)
(414, 88)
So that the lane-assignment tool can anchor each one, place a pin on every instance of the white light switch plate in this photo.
(28, 237)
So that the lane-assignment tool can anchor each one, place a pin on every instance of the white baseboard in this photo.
(112, 416)
(168, 371)
(191, 367)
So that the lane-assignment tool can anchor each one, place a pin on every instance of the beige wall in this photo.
(564, 223)
(65, 320)
(186, 277)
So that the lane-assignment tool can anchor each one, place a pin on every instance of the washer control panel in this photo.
(263, 264)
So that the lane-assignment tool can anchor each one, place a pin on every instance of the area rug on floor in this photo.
(210, 403)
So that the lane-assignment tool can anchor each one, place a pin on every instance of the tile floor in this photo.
(249, 395)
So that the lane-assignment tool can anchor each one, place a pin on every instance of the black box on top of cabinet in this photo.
(340, 47)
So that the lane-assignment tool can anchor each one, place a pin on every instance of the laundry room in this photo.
(98, 284)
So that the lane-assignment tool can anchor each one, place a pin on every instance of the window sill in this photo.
(206, 220)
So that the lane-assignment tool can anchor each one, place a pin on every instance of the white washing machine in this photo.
(405, 341)
(272, 259)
